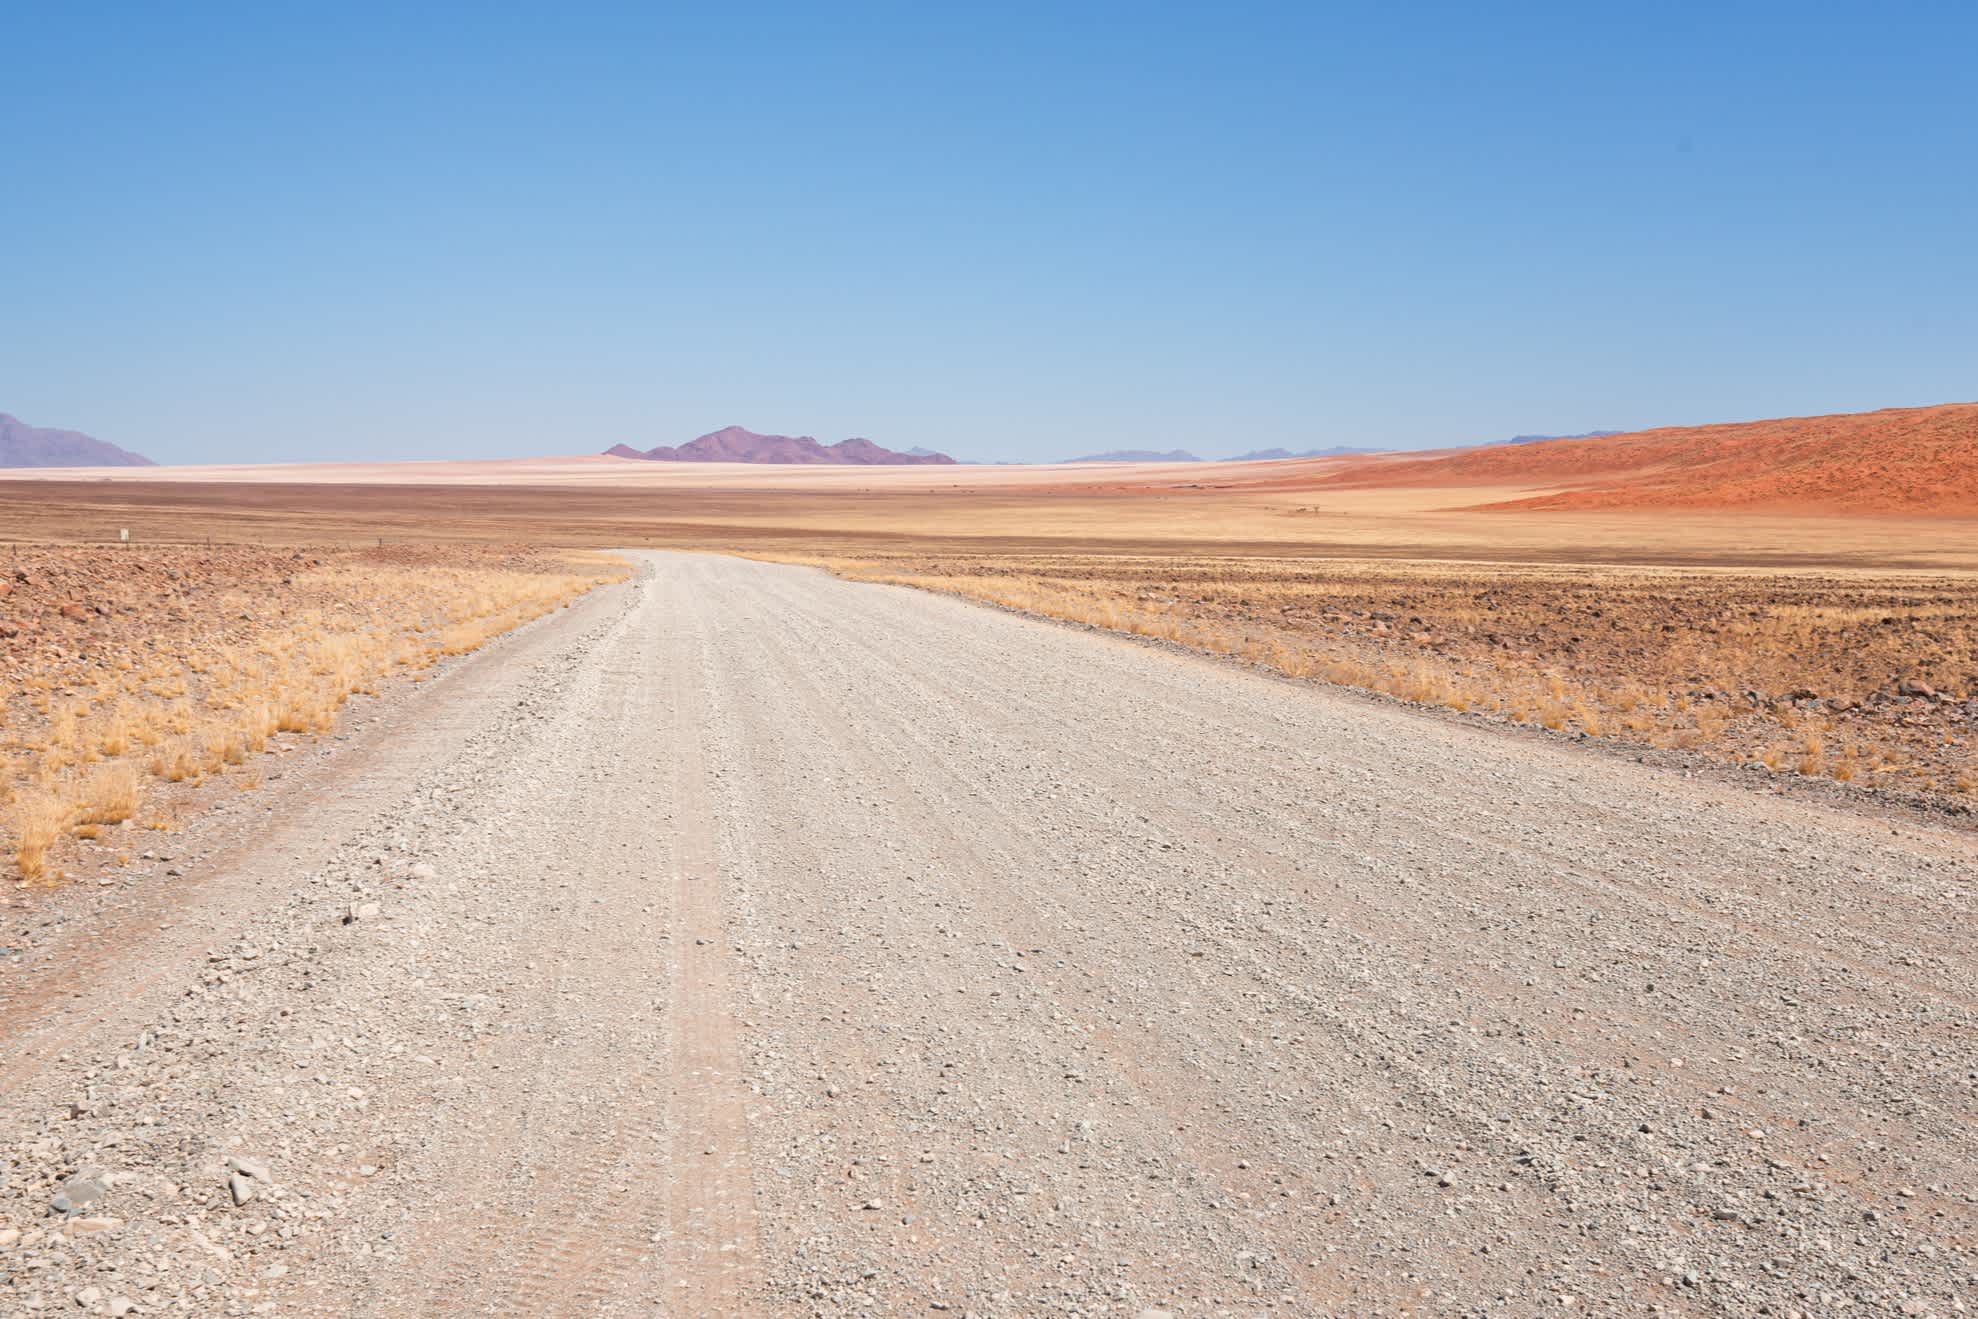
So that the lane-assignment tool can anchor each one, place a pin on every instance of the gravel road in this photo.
(743, 941)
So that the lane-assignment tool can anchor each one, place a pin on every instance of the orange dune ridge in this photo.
(1898, 460)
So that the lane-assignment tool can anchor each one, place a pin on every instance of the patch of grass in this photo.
(37, 824)
(110, 795)
(1747, 665)
(200, 688)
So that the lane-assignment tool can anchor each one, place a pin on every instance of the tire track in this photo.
(712, 1250)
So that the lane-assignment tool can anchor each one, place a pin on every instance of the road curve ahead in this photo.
(748, 942)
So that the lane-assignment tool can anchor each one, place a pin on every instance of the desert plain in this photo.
(1439, 885)
(1830, 632)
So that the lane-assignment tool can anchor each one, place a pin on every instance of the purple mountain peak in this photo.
(739, 444)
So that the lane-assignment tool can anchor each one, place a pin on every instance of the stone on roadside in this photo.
(251, 1167)
(98, 1224)
(76, 1192)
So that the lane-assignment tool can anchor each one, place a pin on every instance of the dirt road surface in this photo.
(743, 941)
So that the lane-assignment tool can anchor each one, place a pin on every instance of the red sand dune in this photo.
(1899, 460)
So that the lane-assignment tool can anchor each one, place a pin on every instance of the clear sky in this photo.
(1010, 230)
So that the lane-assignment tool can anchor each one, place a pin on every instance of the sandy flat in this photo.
(1234, 508)
(599, 471)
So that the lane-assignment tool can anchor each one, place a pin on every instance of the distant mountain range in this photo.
(1183, 456)
(734, 444)
(1270, 455)
(1137, 456)
(1277, 455)
(22, 445)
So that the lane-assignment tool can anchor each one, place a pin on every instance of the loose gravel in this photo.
(743, 941)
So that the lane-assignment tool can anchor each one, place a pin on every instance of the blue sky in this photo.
(277, 232)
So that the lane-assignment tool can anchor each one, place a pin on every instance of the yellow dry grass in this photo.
(1767, 668)
(79, 760)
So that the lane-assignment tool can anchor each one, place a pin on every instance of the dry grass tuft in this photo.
(110, 795)
(174, 707)
(37, 824)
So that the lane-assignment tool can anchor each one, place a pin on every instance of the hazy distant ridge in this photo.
(1274, 455)
(22, 445)
(1137, 456)
(1183, 456)
(736, 444)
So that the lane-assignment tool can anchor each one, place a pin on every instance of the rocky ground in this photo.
(68, 612)
(1868, 679)
(741, 941)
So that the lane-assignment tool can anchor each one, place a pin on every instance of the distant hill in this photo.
(1183, 456)
(22, 445)
(1138, 456)
(1898, 460)
(1273, 455)
(734, 444)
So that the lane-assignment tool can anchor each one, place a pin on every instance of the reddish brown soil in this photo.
(69, 612)
(1899, 460)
